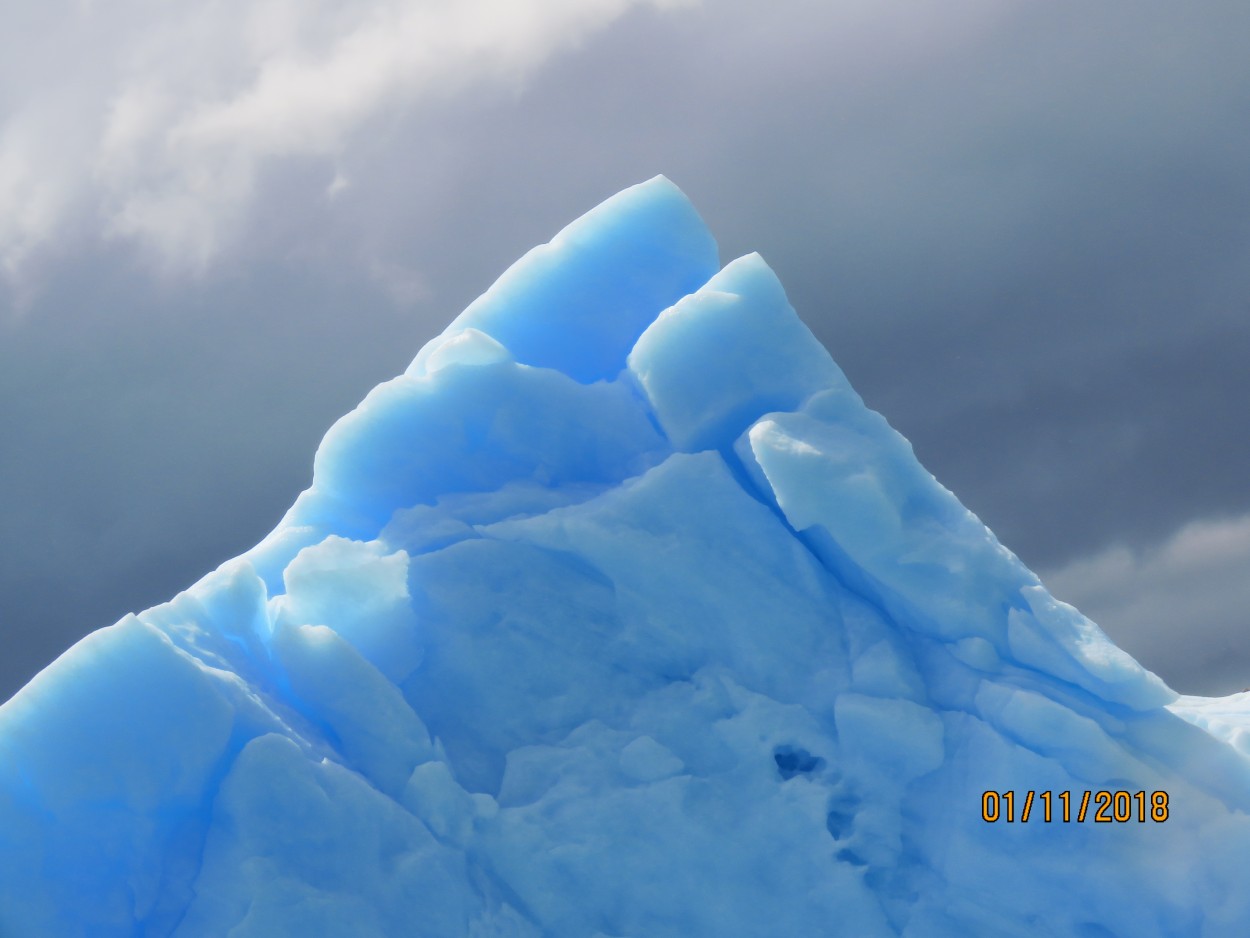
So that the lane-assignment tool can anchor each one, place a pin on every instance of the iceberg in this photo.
(619, 614)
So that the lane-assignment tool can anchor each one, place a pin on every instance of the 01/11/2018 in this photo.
(1108, 806)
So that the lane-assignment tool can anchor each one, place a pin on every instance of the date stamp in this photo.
(1103, 807)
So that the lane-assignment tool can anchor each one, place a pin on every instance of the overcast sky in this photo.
(1022, 228)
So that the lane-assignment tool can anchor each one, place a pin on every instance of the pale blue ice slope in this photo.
(617, 614)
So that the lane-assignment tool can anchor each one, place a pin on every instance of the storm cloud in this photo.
(1022, 229)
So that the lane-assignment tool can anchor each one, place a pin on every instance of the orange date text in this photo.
(1102, 807)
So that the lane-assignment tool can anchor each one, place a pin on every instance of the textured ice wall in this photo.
(617, 614)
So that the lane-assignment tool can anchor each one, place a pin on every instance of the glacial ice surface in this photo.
(617, 614)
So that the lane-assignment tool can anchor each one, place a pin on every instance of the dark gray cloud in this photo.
(1023, 231)
(152, 434)
(1182, 601)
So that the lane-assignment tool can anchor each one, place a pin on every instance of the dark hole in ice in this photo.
(839, 822)
(851, 857)
(792, 761)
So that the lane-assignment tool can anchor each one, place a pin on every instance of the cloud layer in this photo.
(1022, 230)
(1183, 604)
(153, 121)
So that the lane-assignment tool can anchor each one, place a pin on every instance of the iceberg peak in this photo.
(618, 613)
(578, 303)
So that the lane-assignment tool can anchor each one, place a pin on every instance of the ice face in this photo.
(618, 614)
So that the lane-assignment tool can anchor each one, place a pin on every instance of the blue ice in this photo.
(617, 614)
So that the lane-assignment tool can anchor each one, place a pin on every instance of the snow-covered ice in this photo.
(618, 614)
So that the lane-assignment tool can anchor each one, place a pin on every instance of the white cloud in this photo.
(153, 121)
(1181, 607)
